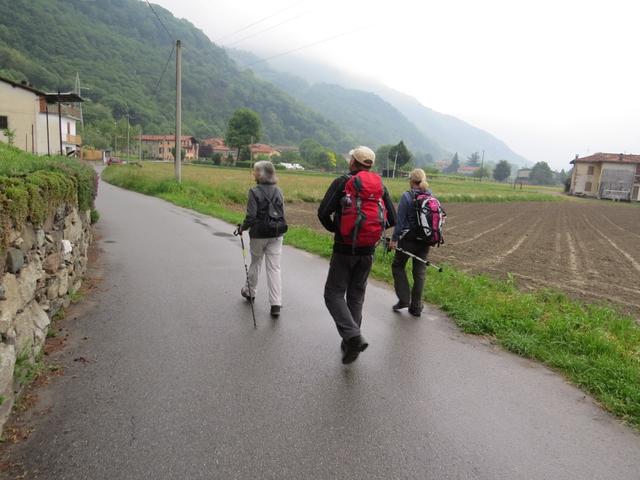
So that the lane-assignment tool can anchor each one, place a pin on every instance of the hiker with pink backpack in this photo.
(357, 208)
(419, 227)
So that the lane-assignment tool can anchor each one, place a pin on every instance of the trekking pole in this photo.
(246, 271)
(426, 262)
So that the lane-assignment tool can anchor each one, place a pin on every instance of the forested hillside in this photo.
(120, 51)
(364, 115)
(449, 132)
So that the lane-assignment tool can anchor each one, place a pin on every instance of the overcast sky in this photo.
(550, 78)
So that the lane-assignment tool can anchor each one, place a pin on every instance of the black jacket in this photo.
(330, 210)
(258, 207)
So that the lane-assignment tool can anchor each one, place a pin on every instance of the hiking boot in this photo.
(275, 311)
(399, 306)
(353, 347)
(245, 294)
(416, 312)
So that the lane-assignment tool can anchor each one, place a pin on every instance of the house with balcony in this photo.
(614, 176)
(160, 147)
(41, 123)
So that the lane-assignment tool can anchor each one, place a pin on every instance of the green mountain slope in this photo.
(449, 132)
(364, 115)
(120, 51)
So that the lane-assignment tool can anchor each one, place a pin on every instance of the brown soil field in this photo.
(588, 249)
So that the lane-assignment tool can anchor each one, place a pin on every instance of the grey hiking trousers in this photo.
(269, 249)
(344, 291)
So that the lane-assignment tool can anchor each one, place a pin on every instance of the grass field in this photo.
(230, 185)
(595, 347)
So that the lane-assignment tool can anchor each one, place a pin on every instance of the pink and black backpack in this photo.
(429, 219)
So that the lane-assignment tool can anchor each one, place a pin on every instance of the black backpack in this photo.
(273, 223)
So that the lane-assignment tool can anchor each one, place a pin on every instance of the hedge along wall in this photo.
(45, 218)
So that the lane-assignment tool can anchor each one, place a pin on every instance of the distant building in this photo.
(614, 176)
(43, 123)
(263, 149)
(522, 176)
(216, 145)
(160, 147)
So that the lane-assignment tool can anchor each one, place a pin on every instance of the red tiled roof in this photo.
(214, 142)
(262, 148)
(153, 138)
(608, 157)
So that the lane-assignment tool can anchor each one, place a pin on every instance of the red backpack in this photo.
(364, 216)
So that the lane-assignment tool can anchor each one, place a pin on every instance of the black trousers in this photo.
(406, 296)
(344, 291)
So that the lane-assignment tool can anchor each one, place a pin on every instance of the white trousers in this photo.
(271, 250)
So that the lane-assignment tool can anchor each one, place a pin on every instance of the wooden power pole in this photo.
(178, 155)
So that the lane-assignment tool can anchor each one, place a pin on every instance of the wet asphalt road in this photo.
(179, 385)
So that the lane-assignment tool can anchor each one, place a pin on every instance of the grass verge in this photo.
(595, 347)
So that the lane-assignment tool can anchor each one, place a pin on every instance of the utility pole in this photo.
(128, 139)
(178, 156)
(482, 166)
(140, 146)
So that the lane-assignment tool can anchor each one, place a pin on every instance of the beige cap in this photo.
(363, 155)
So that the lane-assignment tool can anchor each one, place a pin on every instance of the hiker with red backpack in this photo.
(357, 208)
(419, 227)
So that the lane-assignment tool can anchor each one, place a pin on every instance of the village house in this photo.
(522, 176)
(216, 145)
(263, 149)
(41, 123)
(160, 147)
(614, 176)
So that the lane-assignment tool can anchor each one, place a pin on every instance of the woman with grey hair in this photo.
(266, 224)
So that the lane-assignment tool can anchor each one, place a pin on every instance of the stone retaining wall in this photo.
(38, 271)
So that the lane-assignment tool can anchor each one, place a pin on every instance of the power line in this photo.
(264, 30)
(217, 40)
(163, 71)
(305, 46)
(160, 20)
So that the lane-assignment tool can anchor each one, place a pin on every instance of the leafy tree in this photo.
(541, 174)
(290, 157)
(217, 158)
(10, 135)
(400, 154)
(482, 172)
(316, 155)
(453, 166)
(473, 160)
(502, 171)
(243, 129)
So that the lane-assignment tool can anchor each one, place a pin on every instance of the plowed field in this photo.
(587, 249)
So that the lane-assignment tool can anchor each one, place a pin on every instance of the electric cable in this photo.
(217, 40)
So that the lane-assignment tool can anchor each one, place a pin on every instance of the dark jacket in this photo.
(330, 210)
(406, 214)
(258, 207)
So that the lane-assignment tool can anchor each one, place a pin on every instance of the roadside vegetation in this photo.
(593, 346)
(30, 186)
(230, 185)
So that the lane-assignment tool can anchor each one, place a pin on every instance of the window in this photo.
(161, 150)
(68, 128)
(4, 122)
(587, 186)
(590, 170)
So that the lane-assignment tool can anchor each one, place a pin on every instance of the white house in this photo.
(42, 123)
